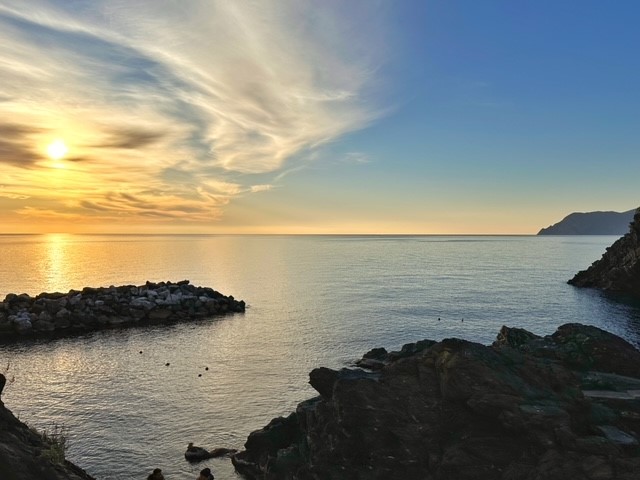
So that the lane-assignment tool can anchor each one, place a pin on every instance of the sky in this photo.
(318, 117)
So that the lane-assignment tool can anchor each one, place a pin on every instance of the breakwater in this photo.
(107, 307)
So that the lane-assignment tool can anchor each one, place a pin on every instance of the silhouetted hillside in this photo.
(591, 223)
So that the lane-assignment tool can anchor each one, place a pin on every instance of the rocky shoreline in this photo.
(525, 408)
(619, 268)
(107, 307)
(25, 454)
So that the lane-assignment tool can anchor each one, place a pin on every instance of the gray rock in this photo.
(22, 323)
(142, 303)
(617, 436)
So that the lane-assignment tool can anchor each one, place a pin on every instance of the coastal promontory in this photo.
(591, 223)
(108, 307)
(619, 268)
(563, 406)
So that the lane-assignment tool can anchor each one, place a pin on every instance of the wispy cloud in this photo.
(260, 188)
(185, 99)
(129, 139)
(11, 194)
(17, 146)
(356, 158)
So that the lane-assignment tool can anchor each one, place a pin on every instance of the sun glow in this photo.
(57, 150)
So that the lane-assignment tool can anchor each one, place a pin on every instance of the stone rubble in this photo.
(97, 308)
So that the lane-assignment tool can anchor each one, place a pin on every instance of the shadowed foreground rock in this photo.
(24, 455)
(97, 308)
(619, 268)
(565, 406)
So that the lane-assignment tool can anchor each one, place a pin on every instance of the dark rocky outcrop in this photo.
(591, 223)
(197, 454)
(525, 408)
(96, 308)
(619, 268)
(25, 454)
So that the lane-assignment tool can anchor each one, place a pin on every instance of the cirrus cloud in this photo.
(190, 100)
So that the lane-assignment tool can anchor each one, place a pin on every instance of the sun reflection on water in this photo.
(56, 263)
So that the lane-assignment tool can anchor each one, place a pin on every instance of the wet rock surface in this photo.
(527, 407)
(619, 268)
(107, 307)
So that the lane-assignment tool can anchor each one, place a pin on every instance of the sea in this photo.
(131, 399)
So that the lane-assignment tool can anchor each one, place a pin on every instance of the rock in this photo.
(159, 314)
(514, 337)
(586, 347)
(323, 379)
(44, 326)
(619, 268)
(196, 454)
(94, 308)
(617, 436)
(22, 323)
(222, 452)
(265, 444)
(370, 364)
(23, 453)
(460, 410)
(142, 303)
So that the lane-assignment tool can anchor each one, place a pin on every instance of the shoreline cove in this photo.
(314, 302)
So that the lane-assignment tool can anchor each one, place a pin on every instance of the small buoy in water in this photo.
(199, 374)
(206, 368)
(167, 364)
(140, 351)
(438, 318)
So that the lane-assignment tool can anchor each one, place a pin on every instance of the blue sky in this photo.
(317, 117)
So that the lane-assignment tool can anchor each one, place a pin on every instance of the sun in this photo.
(57, 150)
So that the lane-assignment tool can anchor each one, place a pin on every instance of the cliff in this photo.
(26, 455)
(527, 407)
(619, 268)
(591, 223)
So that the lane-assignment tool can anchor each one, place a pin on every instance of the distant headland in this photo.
(108, 307)
(591, 223)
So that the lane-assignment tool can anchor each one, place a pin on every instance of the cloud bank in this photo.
(171, 109)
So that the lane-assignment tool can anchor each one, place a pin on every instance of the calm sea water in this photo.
(313, 301)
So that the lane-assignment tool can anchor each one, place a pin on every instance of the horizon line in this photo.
(399, 234)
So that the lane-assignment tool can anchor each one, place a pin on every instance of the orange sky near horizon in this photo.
(275, 117)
